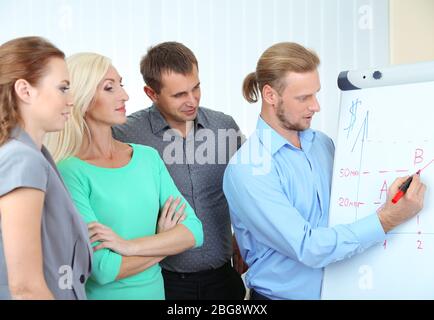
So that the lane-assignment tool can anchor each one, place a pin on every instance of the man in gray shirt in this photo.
(195, 143)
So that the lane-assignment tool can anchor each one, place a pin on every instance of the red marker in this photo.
(403, 189)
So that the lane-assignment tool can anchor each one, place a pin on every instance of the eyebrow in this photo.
(113, 80)
(307, 95)
(181, 92)
(66, 81)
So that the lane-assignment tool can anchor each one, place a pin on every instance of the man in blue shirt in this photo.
(278, 185)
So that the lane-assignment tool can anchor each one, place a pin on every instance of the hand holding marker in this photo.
(404, 187)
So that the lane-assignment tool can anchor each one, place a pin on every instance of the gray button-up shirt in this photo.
(65, 242)
(196, 164)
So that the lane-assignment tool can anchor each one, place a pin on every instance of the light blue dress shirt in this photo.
(279, 197)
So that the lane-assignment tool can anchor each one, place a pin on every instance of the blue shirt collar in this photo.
(263, 130)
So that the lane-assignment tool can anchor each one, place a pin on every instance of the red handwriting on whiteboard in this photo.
(346, 172)
(345, 202)
(418, 156)
(383, 189)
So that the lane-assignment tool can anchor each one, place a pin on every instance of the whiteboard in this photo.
(386, 130)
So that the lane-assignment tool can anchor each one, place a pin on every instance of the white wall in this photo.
(227, 36)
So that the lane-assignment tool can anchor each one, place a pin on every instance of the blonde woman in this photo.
(119, 189)
(44, 247)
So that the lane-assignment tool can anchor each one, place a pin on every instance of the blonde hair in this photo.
(22, 58)
(274, 64)
(86, 71)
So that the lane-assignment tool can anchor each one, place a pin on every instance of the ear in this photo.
(151, 93)
(23, 90)
(270, 95)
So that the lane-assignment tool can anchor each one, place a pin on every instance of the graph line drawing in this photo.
(353, 110)
(364, 131)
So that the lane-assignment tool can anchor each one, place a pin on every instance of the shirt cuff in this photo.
(369, 230)
(195, 227)
(106, 266)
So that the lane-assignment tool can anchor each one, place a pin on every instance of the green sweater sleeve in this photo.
(167, 189)
(106, 264)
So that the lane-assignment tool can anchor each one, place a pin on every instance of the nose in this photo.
(124, 95)
(69, 101)
(193, 99)
(315, 107)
